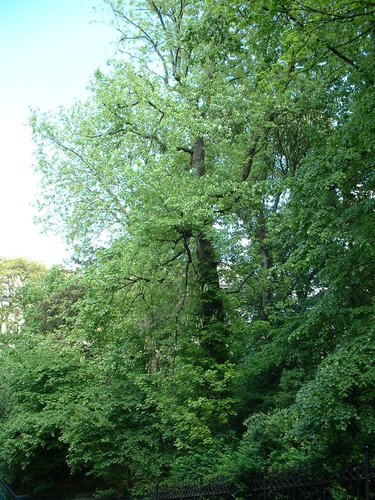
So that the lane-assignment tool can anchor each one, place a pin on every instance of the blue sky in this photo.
(49, 49)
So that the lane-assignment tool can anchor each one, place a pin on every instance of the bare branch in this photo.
(246, 169)
(146, 36)
(157, 10)
(242, 284)
(190, 151)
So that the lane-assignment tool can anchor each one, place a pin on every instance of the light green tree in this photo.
(14, 274)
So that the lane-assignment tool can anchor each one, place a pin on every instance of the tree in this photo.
(131, 162)
(319, 324)
(39, 370)
(218, 188)
(14, 274)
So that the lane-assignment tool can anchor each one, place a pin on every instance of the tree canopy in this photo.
(218, 189)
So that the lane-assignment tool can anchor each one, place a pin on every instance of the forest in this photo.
(217, 319)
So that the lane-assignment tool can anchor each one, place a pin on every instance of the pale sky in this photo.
(49, 49)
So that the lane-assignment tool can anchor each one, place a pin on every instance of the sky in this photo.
(49, 50)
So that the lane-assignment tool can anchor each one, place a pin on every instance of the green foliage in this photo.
(14, 275)
(219, 191)
(335, 411)
(339, 493)
(36, 376)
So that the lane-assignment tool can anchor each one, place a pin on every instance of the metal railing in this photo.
(292, 485)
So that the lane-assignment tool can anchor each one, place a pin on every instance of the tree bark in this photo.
(212, 312)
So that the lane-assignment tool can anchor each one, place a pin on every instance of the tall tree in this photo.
(218, 188)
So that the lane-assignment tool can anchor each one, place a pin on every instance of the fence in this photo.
(215, 490)
(358, 482)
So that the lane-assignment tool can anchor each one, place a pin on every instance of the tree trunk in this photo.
(261, 235)
(212, 312)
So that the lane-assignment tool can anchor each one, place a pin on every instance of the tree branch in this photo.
(148, 38)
